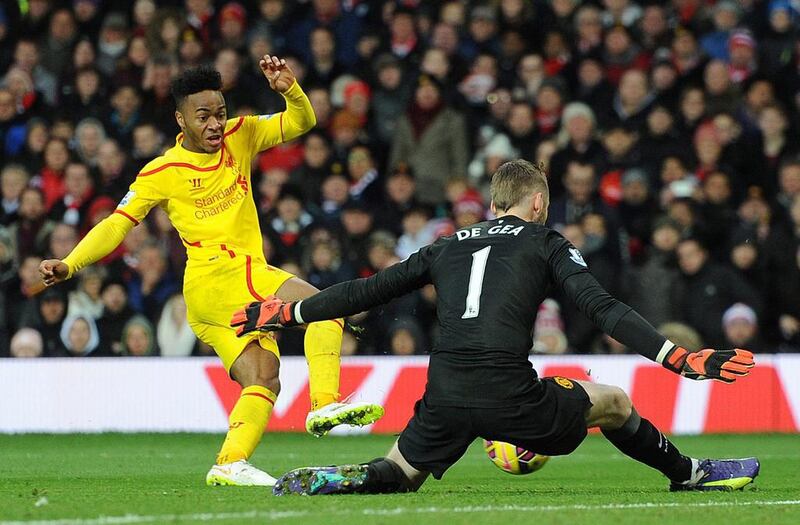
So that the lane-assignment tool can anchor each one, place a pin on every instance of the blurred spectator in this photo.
(391, 96)
(61, 35)
(137, 338)
(325, 265)
(48, 320)
(357, 221)
(78, 193)
(13, 180)
(707, 290)
(327, 13)
(431, 138)
(315, 167)
(722, 94)
(63, 240)
(89, 135)
(742, 55)
(238, 95)
(175, 337)
(776, 48)
(683, 335)
(417, 232)
(632, 101)
(287, 224)
(27, 58)
(468, 210)
(27, 342)
(152, 283)
(323, 68)
(116, 314)
(365, 182)
(405, 338)
(12, 126)
(651, 288)
(725, 17)
(30, 234)
(232, 26)
(160, 108)
(86, 300)
(112, 43)
(125, 115)
(741, 328)
(113, 174)
(79, 336)
(548, 331)
(148, 143)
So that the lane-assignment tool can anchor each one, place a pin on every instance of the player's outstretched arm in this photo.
(299, 115)
(99, 242)
(340, 300)
(624, 324)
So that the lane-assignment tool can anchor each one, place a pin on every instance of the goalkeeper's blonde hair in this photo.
(515, 180)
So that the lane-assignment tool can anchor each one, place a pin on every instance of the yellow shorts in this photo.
(216, 288)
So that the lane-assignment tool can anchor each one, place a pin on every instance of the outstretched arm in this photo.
(104, 238)
(621, 322)
(297, 119)
(99, 242)
(342, 299)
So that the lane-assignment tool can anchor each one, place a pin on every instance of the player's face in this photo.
(202, 118)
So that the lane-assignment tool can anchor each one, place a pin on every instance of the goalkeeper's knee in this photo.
(386, 476)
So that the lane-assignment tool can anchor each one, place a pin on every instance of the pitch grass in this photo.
(153, 478)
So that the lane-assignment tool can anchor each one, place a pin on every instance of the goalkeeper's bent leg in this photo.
(640, 439)
(256, 369)
(323, 347)
(612, 411)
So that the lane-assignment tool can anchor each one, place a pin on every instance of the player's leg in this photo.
(387, 475)
(323, 344)
(256, 370)
(635, 436)
(434, 440)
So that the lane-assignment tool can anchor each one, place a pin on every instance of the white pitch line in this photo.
(397, 511)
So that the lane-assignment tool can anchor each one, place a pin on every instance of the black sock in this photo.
(384, 476)
(639, 439)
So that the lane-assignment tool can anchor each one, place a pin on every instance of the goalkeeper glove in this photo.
(267, 316)
(722, 365)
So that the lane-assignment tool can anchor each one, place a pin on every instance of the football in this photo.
(513, 459)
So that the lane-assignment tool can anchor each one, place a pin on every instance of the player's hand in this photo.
(722, 365)
(278, 73)
(267, 316)
(53, 271)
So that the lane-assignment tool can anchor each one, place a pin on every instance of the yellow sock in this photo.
(248, 420)
(323, 347)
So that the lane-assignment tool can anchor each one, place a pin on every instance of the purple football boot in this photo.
(311, 481)
(720, 474)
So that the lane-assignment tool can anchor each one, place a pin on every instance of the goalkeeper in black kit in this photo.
(490, 279)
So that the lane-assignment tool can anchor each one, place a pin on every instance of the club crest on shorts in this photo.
(564, 382)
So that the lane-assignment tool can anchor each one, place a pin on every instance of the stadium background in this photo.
(670, 130)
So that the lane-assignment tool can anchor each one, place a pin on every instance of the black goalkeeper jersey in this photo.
(490, 279)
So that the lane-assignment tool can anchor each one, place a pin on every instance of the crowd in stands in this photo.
(670, 131)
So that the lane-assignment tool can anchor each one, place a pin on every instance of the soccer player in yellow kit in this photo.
(203, 183)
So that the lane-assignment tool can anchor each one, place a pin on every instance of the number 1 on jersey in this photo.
(479, 260)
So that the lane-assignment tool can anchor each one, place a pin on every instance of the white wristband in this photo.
(297, 316)
(665, 348)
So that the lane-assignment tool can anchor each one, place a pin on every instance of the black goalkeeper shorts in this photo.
(553, 423)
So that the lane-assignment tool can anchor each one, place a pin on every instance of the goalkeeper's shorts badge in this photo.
(563, 381)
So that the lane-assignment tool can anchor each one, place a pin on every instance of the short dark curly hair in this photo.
(195, 80)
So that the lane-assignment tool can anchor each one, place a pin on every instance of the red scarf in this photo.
(421, 119)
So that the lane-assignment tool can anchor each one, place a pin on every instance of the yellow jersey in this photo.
(207, 196)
